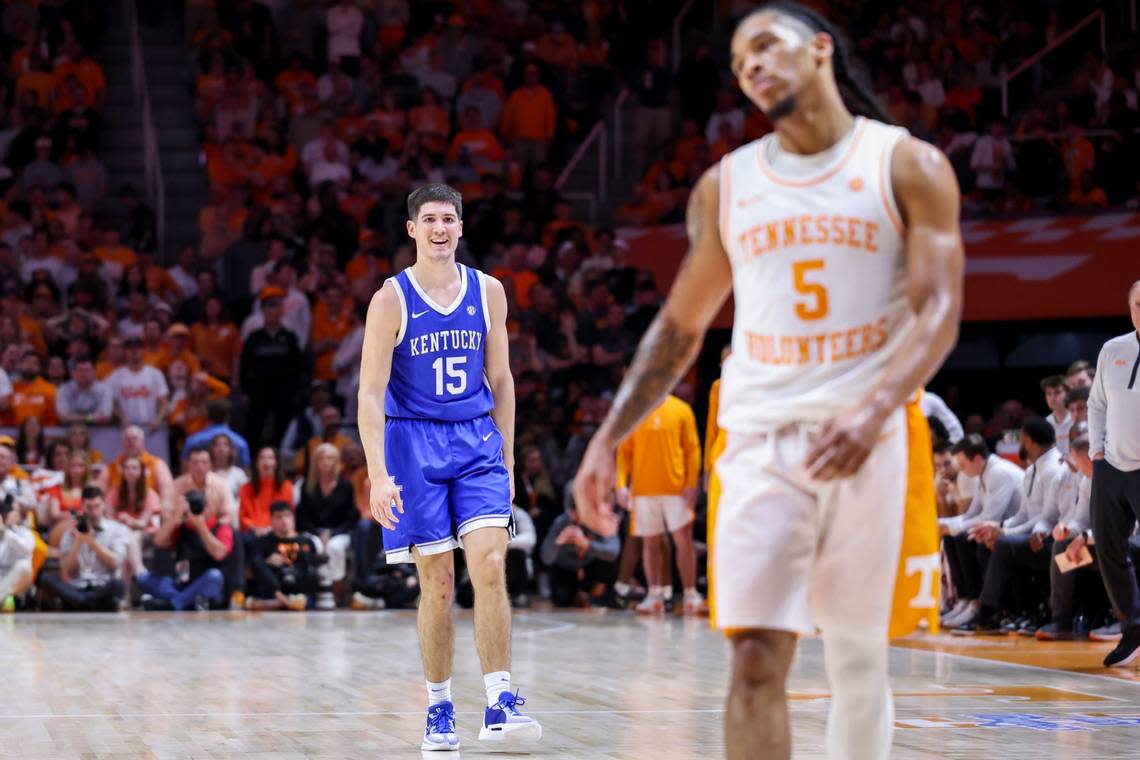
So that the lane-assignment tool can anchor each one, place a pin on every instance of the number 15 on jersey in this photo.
(456, 375)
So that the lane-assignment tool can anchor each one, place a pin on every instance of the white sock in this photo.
(495, 684)
(622, 589)
(861, 719)
(666, 592)
(439, 692)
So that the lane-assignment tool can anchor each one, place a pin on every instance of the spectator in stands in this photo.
(327, 509)
(17, 543)
(345, 23)
(223, 458)
(202, 542)
(266, 486)
(285, 564)
(30, 444)
(580, 562)
(650, 86)
(346, 360)
(530, 120)
(157, 472)
(535, 492)
(32, 395)
(997, 498)
(199, 476)
(216, 340)
(272, 369)
(1023, 543)
(306, 425)
(84, 398)
(79, 440)
(140, 391)
(659, 467)
(991, 160)
(218, 413)
(139, 508)
(92, 556)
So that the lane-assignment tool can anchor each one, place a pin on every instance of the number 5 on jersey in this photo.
(454, 371)
(816, 307)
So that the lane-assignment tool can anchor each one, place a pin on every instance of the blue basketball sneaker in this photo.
(439, 736)
(504, 722)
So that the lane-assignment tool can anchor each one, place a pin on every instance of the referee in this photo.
(1114, 446)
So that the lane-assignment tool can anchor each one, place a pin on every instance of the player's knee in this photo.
(488, 569)
(759, 663)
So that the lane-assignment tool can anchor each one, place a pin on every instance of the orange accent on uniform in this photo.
(884, 175)
(920, 532)
(809, 181)
(718, 446)
(662, 457)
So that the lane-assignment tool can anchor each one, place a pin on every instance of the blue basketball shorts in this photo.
(452, 481)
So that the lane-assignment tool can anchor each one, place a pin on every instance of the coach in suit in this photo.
(1114, 446)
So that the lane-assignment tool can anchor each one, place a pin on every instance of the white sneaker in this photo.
(362, 602)
(326, 601)
(695, 604)
(504, 723)
(965, 616)
(650, 605)
(955, 610)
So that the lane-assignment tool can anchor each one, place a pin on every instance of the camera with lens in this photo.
(81, 523)
(6, 505)
(197, 502)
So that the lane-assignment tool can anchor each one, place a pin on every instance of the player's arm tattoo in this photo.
(664, 353)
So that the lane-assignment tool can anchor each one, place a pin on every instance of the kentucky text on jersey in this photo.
(446, 340)
(807, 230)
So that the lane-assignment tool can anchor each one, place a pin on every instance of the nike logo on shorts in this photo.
(488, 436)
(420, 314)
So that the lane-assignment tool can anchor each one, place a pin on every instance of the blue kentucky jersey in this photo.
(437, 365)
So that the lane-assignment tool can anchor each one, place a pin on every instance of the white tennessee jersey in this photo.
(818, 277)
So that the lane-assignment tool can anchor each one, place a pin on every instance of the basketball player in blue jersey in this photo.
(437, 418)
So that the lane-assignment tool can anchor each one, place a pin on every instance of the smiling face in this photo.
(436, 230)
(776, 57)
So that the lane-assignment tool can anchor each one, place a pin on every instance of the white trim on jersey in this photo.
(432, 304)
(403, 312)
(483, 297)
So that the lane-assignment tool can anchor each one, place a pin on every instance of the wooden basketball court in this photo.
(604, 685)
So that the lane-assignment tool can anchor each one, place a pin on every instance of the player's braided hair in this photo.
(856, 94)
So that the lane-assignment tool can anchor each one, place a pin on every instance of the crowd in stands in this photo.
(1068, 143)
(241, 358)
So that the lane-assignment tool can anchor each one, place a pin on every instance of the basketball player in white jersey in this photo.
(838, 236)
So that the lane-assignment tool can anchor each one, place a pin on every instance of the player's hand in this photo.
(1061, 532)
(1073, 550)
(1036, 541)
(842, 445)
(384, 500)
(986, 533)
(594, 487)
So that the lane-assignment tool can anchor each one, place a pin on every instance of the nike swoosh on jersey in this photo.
(420, 314)
(488, 436)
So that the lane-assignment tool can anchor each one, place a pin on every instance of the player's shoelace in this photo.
(510, 703)
(441, 719)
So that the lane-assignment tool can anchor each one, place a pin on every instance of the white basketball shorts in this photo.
(794, 554)
(654, 515)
